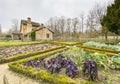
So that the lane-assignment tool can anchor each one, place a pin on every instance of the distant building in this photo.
(41, 32)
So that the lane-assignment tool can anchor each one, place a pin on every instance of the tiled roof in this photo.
(33, 23)
(42, 28)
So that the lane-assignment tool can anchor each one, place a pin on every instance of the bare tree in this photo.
(0, 29)
(53, 24)
(91, 21)
(50, 24)
(68, 29)
(61, 25)
(94, 17)
(15, 25)
(82, 21)
(75, 22)
(99, 12)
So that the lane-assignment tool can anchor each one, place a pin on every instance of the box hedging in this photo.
(29, 54)
(92, 49)
(42, 42)
(64, 43)
(42, 74)
(101, 49)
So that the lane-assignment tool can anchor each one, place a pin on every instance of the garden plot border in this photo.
(28, 54)
(107, 51)
(65, 43)
(42, 74)
(41, 42)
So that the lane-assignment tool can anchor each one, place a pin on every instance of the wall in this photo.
(29, 27)
(24, 28)
(42, 34)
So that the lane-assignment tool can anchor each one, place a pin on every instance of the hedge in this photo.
(29, 54)
(108, 53)
(27, 43)
(101, 49)
(65, 43)
(42, 74)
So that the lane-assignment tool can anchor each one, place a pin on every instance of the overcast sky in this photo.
(41, 10)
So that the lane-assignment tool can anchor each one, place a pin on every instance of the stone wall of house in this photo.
(24, 28)
(44, 34)
(29, 27)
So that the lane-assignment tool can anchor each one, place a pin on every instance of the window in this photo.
(48, 35)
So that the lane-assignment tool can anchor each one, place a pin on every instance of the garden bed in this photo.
(42, 74)
(105, 47)
(14, 50)
(94, 49)
(28, 54)
(105, 74)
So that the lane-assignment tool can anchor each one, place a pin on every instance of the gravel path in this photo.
(14, 78)
(14, 50)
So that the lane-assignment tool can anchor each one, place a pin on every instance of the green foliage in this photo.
(79, 56)
(101, 45)
(8, 37)
(33, 36)
(74, 53)
(3, 43)
(42, 74)
(112, 18)
(116, 59)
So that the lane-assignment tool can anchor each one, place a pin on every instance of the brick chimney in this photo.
(29, 20)
(42, 25)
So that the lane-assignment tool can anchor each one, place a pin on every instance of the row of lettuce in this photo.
(102, 45)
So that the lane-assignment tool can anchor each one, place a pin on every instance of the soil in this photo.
(14, 50)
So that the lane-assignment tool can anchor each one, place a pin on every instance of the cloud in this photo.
(41, 10)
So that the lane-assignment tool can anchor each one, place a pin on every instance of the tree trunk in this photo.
(106, 36)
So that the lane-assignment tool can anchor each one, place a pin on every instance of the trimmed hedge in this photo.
(65, 43)
(111, 52)
(29, 54)
(32, 43)
(42, 74)
(93, 51)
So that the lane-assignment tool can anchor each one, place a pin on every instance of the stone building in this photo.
(41, 32)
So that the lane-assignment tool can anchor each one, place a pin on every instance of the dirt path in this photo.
(14, 78)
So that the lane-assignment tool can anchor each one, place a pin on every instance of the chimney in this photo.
(29, 20)
(42, 25)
